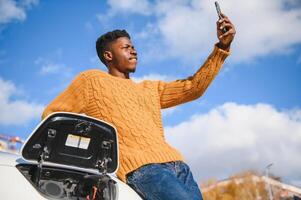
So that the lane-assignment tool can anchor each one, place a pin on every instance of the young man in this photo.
(147, 162)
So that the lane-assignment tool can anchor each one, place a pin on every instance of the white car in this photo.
(68, 156)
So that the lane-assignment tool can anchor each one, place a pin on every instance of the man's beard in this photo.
(132, 70)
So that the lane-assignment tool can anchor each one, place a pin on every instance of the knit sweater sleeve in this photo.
(72, 99)
(185, 90)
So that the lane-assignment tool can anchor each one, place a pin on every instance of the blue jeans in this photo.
(166, 181)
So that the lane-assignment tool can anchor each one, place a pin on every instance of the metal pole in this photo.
(267, 168)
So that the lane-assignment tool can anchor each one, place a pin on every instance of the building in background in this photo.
(10, 144)
(250, 186)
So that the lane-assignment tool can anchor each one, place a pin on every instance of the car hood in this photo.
(73, 140)
(8, 159)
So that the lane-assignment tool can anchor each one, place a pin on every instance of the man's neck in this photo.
(115, 72)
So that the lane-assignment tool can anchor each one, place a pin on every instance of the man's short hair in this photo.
(103, 42)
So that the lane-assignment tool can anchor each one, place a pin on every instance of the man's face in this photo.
(124, 55)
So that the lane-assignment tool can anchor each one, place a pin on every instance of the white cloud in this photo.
(132, 6)
(16, 112)
(29, 3)
(263, 27)
(52, 68)
(155, 77)
(233, 137)
(186, 28)
(12, 10)
(49, 67)
(124, 7)
(9, 11)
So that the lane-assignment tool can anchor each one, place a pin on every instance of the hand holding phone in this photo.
(219, 13)
(225, 30)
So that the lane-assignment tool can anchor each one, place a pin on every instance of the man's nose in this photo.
(134, 52)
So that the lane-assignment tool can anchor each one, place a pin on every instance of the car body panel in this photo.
(15, 184)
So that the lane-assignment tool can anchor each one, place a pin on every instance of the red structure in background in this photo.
(10, 143)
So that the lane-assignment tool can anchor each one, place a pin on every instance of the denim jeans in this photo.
(166, 181)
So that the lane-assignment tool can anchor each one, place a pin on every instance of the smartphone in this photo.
(219, 13)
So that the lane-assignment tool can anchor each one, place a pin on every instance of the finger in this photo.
(225, 25)
(224, 20)
(219, 24)
(230, 32)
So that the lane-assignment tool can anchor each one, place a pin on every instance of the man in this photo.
(153, 168)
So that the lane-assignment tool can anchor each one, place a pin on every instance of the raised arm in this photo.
(181, 91)
(73, 99)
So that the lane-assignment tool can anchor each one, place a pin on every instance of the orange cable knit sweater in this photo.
(135, 109)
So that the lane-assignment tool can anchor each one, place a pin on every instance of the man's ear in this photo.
(108, 56)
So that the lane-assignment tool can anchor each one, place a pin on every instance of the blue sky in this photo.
(249, 117)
